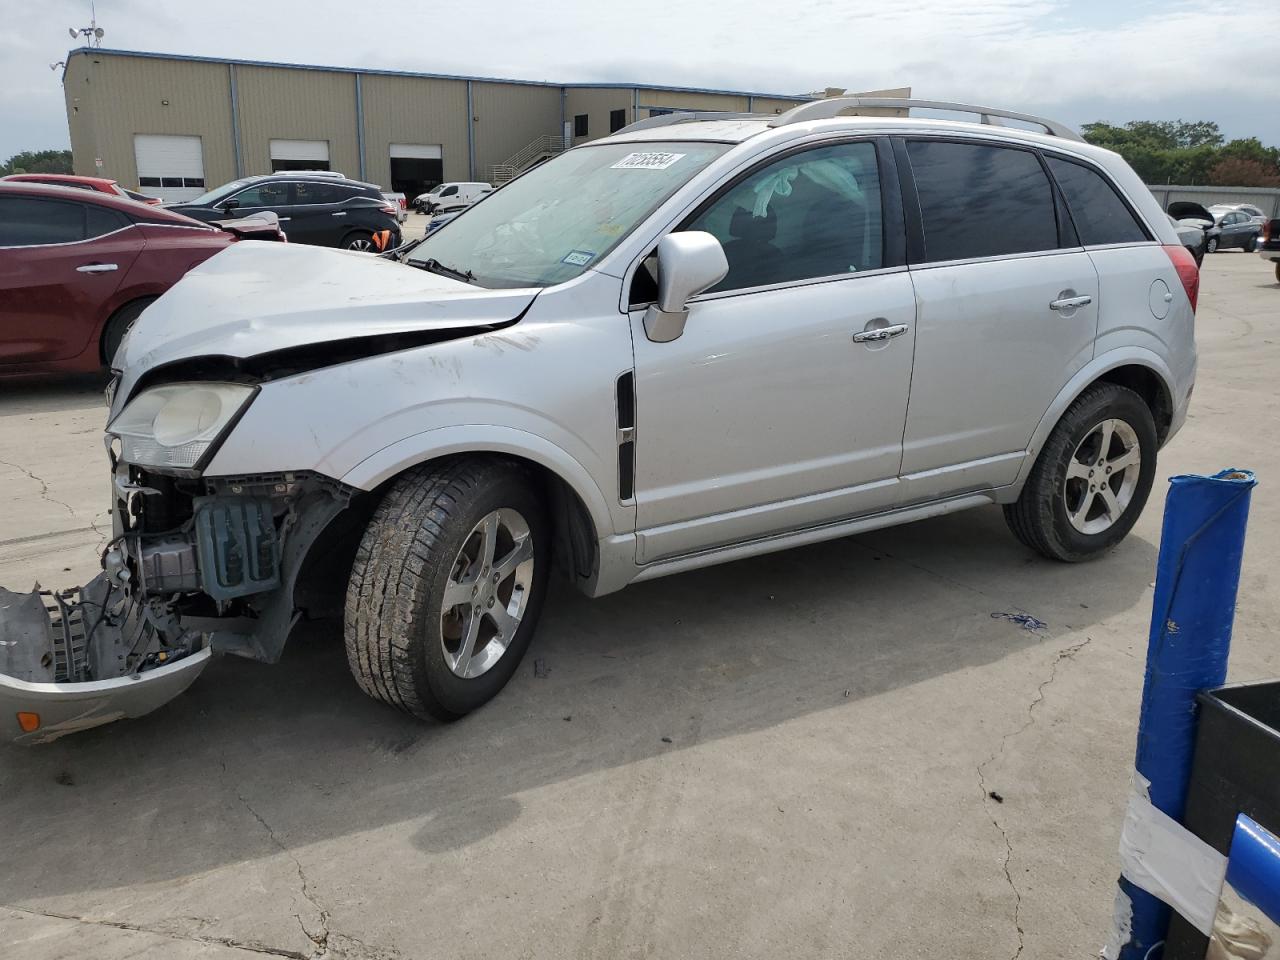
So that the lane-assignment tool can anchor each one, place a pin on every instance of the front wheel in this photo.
(1092, 478)
(447, 586)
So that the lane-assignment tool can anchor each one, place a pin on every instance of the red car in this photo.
(78, 267)
(100, 184)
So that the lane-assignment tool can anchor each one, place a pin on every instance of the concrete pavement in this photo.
(862, 761)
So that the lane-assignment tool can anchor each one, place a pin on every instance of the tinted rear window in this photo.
(979, 201)
(1099, 214)
(29, 221)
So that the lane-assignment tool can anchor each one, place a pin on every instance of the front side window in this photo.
(266, 194)
(562, 217)
(32, 221)
(449, 192)
(1096, 209)
(981, 201)
(808, 215)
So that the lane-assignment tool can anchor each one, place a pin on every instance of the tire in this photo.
(1251, 245)
(1042, 517)
(361, 240)
(1212, 245)
(400, 636)
(115, 328)
(1278, 272)
(1198, 256)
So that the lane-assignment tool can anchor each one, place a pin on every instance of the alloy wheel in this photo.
(487, 593)
(360, 243)
(1102, 476)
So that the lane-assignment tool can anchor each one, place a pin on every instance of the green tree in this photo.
(38, 161)
(1183, 151)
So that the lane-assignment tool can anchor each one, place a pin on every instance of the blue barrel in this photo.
(1197, 575)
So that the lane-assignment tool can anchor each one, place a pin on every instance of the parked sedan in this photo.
(1225, 227)
(77, 267)
(321, 209)
(1192, 236)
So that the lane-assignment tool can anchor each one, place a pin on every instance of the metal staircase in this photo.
(539, 149)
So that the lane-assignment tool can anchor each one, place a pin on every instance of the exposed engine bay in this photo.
(194, 567)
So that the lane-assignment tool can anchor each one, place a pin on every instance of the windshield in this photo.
(205, 199)
(560, 218)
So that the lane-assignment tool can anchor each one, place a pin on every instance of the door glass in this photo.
(319, 193)
(30, 222)
(1099, 214)
(268, 194)
(979, 201)
(811, 214)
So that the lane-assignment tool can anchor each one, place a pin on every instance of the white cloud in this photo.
(1092, 58)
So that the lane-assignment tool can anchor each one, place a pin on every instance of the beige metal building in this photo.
(172, 126)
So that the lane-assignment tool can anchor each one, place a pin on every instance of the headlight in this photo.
(174, 426)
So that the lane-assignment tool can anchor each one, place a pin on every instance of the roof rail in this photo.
(689, 116)
(835, 106)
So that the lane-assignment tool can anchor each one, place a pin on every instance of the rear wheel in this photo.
(447, 587)
(1212, 245)
(1251, 245)
(360, 240)
(119, 324)
(1092, 478)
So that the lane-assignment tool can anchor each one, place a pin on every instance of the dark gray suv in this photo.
(321, 209)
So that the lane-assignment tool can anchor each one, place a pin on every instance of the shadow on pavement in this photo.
(706, 655)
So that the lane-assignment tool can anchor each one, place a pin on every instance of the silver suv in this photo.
(702, 338)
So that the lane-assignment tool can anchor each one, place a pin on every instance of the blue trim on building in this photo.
(191, 58)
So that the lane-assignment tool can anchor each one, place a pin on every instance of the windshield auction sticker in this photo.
(579, 258)
(647, 161)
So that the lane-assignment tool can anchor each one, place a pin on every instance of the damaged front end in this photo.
(196, 566)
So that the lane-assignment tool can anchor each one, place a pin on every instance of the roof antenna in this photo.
(92, 33)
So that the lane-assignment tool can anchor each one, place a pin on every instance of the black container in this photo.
(1236, 770)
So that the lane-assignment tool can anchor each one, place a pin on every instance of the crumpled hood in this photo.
(254, 298)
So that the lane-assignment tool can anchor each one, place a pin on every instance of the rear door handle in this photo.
(339, 213)
(880, 333)
(97, 268)
(1070, 303)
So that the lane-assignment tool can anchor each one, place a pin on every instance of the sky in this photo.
(1072, 60)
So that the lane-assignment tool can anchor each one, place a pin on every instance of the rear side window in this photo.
(99, 220)
(1098, 212)
(320, 193)
(980, 201)
(31, 221)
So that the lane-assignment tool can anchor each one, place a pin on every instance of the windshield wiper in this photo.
(435, 266)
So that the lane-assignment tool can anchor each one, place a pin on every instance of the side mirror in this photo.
(229, 205)
(688, 263)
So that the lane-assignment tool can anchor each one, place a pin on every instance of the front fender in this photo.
(1111, 360)
(446, 441)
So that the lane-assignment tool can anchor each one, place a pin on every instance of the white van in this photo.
(451, 196)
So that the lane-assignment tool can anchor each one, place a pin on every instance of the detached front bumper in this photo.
(195, 567)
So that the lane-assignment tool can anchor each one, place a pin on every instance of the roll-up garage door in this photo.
(415, 168)
(299, 155)
(169, 167)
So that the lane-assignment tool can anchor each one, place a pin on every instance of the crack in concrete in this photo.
(1067, 653)
(246, 945)
(321, 939)
(44, 489)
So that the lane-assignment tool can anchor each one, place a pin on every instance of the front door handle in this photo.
(340, 213)
(1070, 303)
(97, 268)
(877, 334)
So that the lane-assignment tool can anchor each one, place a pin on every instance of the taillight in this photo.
(1188, 272)
(388, 209)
